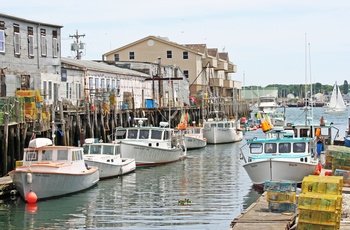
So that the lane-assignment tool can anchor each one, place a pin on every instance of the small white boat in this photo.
(51, 171)
(193, 136)
(219, 130)
(149, 145)
(106, 157)
(280, 156)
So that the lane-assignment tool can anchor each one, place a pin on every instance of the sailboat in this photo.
(336, 104)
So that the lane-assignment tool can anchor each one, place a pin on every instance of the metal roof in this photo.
(100, 66)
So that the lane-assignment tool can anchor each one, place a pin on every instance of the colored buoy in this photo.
(31, 197)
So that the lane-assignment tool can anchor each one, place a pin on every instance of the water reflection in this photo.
(212, 178)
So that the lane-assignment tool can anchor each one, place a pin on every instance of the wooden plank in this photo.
(257, 216)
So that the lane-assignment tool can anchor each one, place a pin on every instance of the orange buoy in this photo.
(31, 197)
(32, 208)
(318, 132)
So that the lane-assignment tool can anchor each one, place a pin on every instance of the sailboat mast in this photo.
(311, 100)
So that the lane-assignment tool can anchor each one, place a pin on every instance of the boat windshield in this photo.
(62, 154)
(284, 147)
(270, 148)
(32, 155)
(109, 150)
(144, 134)
(94, 149)
(256, 148)
(157, 134)
(299, 147)
(132, 133)
(47, 155)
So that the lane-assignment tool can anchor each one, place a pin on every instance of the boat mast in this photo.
(311, 100)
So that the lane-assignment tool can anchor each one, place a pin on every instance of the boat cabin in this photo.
(143, 133)
(61, 154)
(325, 131)
(297, 145)
(102, 148)
(229, 124)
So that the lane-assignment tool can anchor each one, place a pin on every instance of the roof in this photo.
(28, 20)
(160, 39)
(213, 52)
(197, 47)
(223, 56)
(101, 66)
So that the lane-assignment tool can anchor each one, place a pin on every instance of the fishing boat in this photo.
(193, 136)
(336, 103)
(279, 156)
(268, 107)
(267, 104)
(107, 158)
(219, 129)
(150, 145)
(290, 152)
(51, 171)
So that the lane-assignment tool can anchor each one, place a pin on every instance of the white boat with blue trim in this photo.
(279, 156)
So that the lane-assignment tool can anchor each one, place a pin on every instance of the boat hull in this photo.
(194, 143)
(274, 169)
(52, 184)
(222, 135)
(147, 156)
(111, 169)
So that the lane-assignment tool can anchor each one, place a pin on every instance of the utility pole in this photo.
(76, 46)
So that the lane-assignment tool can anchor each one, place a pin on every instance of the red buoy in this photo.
(31, 197)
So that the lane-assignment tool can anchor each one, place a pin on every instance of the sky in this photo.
(270, 41)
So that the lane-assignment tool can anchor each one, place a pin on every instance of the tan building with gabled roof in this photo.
(208, 70)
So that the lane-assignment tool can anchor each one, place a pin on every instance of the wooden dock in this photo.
(257, 216)
(6, 186)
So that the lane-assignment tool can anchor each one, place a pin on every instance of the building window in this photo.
(91, 85)
(50, 90)
(63, 75)
(186, 73)
(43, 42)
(108, 84)
(67, 90)
(77, 91)
(169, 54)
(30, 42)
(131, 55)
(97, 85)
(116, 57)
(45, 89)
(2, 37)
(103, 83)
(16, 39)
(185, 55)
(54, 43)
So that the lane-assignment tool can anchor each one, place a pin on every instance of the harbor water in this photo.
(207, 190)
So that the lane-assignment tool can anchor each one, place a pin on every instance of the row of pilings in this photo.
(71, 125)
